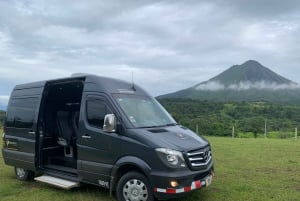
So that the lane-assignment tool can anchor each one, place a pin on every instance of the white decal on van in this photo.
(104, 183)
(8, 142)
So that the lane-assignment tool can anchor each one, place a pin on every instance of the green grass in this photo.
(270, 134)
(246, 169)
(255, 169)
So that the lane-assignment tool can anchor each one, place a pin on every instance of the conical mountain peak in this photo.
(249, 81)
(251, 63)
(249, 72)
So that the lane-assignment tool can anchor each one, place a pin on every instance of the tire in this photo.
(24, 175)
(134, 186)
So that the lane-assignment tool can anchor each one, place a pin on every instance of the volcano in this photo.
(250, 81)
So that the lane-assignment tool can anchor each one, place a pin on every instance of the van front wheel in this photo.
(23, 175)
(134, 186)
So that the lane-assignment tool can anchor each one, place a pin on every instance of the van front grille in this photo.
(199, 158)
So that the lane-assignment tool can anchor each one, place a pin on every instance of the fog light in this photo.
(174, 184)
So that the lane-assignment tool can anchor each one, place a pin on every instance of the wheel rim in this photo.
(135, 190)
(20, 172)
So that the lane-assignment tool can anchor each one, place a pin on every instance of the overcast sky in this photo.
(168, 45)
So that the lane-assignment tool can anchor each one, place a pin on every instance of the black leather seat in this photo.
(65, 128)
(75, 123)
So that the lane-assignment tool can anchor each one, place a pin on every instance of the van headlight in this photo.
(171, 157)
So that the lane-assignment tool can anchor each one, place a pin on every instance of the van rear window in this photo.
(21, 112)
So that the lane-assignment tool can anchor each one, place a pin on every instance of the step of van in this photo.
(55, 181)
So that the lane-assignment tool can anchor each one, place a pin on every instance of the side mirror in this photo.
(109, 125)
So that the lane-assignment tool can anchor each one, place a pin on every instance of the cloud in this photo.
(168, 45)
(262, 85)
(260, 8)
(210, 86)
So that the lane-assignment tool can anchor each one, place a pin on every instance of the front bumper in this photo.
(187, 181)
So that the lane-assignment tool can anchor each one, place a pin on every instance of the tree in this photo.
(254, 125)
(217, 118)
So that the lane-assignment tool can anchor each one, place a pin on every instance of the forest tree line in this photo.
(218, 119)
(2, 116)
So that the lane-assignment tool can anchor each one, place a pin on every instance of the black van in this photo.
(105, 132)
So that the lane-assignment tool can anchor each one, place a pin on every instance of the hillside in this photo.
(249, 81)
(217, 118)
(251, 71)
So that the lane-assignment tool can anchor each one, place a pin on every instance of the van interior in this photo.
(58, 126)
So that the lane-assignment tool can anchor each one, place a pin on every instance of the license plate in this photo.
(208, 180)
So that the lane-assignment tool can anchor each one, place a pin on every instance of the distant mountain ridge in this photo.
(250, 71)
(249, 81)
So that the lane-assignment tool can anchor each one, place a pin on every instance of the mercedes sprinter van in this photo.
(105, 132)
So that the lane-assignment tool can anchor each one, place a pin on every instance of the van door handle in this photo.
(31, 132)
(86, 136)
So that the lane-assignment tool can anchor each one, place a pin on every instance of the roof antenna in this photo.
(133, 88)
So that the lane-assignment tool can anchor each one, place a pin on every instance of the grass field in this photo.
(270, 134)
(246, 169)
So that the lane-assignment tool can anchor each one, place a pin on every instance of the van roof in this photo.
(92, 83)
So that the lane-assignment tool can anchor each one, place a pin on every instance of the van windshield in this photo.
(143, 111)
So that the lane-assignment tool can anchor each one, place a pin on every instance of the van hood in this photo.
(171, 137)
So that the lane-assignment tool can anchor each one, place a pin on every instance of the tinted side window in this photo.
(21, 112)
(96, 111)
